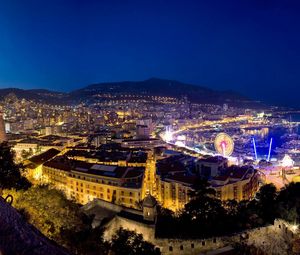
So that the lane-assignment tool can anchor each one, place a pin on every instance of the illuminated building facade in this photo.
(34, 164)
(174, 180)
(237, 183)
(126, 176)
(43, 143)
(86, 181)
(173, 191)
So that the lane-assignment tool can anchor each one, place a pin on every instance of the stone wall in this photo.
(188, 247)
(276, 239)
(273, 239)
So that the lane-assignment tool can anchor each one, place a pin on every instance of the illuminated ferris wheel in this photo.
(224, 144)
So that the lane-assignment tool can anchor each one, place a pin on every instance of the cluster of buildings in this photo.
(34, 117)
(110, 150)
(124, 175)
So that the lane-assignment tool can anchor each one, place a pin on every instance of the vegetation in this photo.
(126, 242)
(26, 154)
(206, 216)
(48, 210)
(11, 173)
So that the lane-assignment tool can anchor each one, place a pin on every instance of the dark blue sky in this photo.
(251, 46)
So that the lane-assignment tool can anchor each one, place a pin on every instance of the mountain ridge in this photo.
(150, 87)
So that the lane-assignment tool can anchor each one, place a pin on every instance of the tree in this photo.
(126, 242)
(288, 203)
(87, 241)
(10, 172)
(167, 224)
(26, 154)
(204, 215)
(201, 188)
(49, 210)
(266, 202)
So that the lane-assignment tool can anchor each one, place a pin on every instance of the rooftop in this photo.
(216, 159)
(65, 164)
(233, 174)
(43, 157)
(182, 178)
(132, 156)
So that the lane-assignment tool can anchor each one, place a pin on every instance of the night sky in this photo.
(251, 46)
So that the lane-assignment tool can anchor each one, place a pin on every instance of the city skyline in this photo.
(249, 47)
(149, 127)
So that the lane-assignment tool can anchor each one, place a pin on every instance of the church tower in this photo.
(149, 208)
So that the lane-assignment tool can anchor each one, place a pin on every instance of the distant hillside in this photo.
(161, 87)
(39, 95)
(151, 87)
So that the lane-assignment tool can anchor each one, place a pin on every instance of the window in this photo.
(235, 192)
(181, 247)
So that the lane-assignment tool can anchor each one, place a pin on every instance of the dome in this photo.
(149, 201)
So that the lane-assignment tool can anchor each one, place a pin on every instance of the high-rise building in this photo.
(2, 129)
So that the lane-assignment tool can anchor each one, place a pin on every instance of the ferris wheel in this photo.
(224, 144)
